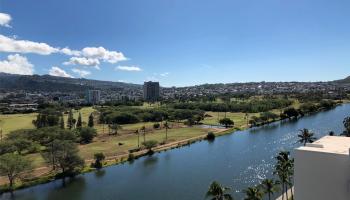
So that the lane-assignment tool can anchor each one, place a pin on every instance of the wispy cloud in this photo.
(12, 45)
(56, 71)
(129, 68)
(80, 72)
(82, 61)
(165, 74)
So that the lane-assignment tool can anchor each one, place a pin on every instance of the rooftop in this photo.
(329, 144)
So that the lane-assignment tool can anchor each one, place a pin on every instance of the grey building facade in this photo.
(151, 91)
(93, 96)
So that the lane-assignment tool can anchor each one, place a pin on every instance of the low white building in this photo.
(322, 170)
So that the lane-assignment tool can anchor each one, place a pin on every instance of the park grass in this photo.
(109, 145)
(14, 122)
(239, 118)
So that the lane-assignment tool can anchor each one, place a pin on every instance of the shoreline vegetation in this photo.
(242, 121)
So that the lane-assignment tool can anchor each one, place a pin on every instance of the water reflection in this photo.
(100, 173)
(150, 161)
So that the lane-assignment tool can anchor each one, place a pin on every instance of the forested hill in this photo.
(344, 81)
(53, 83)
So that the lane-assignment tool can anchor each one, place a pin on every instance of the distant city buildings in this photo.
(322, 169)
(93, 96)
(151, 91)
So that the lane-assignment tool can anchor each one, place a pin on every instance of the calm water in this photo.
(238, 160)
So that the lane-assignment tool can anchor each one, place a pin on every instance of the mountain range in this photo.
(49, 83)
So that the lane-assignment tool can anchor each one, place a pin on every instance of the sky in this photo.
(177, 42)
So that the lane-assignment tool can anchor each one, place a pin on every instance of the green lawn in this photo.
(109, 145)
(13, 122)
(238, 118)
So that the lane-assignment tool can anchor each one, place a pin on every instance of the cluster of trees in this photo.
(252, 106)
(129, 115)
(291, 112)
(284, 170)
(57, 146)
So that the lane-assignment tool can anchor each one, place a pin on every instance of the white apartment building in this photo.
(322, 170)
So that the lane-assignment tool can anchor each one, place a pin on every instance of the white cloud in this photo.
(70, 52)
(5, 20)
(24, 46)
(56, 71)
(16, 64)
(128, 68)
(103, 54)
(81, 73)
(82, 61)
(165, 74)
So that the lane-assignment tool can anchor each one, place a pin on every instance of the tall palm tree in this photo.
(284, 171)
(166, 126)
(253, 193)
(269, 187)
(306, 136)
(218, 192)
(143, 129)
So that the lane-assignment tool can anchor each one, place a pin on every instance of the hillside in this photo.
(344, 81)
(52, 83)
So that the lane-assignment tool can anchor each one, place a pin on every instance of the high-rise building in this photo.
(151, 91)
(93, 96)
(322, 169)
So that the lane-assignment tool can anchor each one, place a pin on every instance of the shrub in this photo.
(210, 136)
(131, 157)
(156, 125)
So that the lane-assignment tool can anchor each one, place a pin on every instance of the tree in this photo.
(291, 112)
(79, 122)
(149, 145)
(70, 123)
(62, 122)
(226, 122)
(91, 120)
(12, 165)
(306, 136)
(346, 123)
(115, 128)
(269, 187)
(99, 157)
(218, 192)
(143, 129)
(68, 158)
(253, 193)
(284, 171)
(166, 126)
(87, 134)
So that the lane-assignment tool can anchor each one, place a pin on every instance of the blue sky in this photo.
(177, 42)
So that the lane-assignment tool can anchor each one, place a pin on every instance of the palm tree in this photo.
(253, 193)
(269, 187)
(143, 129)
(138, 137)
(166, 126)
(284, 170)
(218, 192)
(306, 136)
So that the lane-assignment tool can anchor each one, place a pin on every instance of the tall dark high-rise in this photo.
(151, 91)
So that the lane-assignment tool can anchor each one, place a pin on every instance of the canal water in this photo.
(237, 160)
